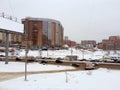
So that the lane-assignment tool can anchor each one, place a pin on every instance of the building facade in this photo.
(13, 39)
(88, 44)
(70, 43)
(43, 32)
(113, 43)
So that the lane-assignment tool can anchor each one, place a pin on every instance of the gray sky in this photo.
(81, 19)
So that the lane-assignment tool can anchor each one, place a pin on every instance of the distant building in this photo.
(114, 38)
(13, 39)
(70, 43)
(66, 40)
(88, 44)
(113, 43)
(43, 32)
(78, 46)
(1, 37)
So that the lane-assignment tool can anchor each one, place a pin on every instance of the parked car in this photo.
(2, 57)
(18, 59)
(75, 64)
(43, 62)
(118, 61)
(58, 61)
(89, 66)
(82, 59)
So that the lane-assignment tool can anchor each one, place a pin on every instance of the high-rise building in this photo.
(43, 32)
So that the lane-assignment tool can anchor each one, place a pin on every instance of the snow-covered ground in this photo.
(101, 79)
(86, 54)
(20, 67)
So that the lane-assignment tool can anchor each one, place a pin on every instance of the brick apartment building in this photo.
(113, 43)
(70, 43)
(43, 32)
(88, 44)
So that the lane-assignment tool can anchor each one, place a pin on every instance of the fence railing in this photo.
(8, 17)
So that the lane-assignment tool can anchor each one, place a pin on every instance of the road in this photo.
(11, 75)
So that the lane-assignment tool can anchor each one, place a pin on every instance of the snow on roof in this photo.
(9, 25)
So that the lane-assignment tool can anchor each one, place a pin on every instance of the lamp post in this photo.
(47, 38)
(83, 54)
(71, 51)
(26, 47)
(6, 45)
(40, 51)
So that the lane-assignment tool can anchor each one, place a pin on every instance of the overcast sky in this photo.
(81, 19)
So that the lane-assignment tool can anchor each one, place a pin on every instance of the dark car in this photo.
(75, 64)
(58, 61)
(18, 59)
(118, 61)
(43, 62)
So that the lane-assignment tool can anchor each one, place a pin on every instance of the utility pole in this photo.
(71, 57)
(83, 54)
(47, 39)
(6, 46)
(40, 51)
(26, 47)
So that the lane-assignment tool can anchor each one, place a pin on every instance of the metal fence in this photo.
(8, 17)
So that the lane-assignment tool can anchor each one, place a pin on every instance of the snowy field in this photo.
(86, 54)
(101, 79)
(64, 53)
(20, 67)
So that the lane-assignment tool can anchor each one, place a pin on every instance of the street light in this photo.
(82, 54)
(26, 47)
(71, 57)
(7, 46)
